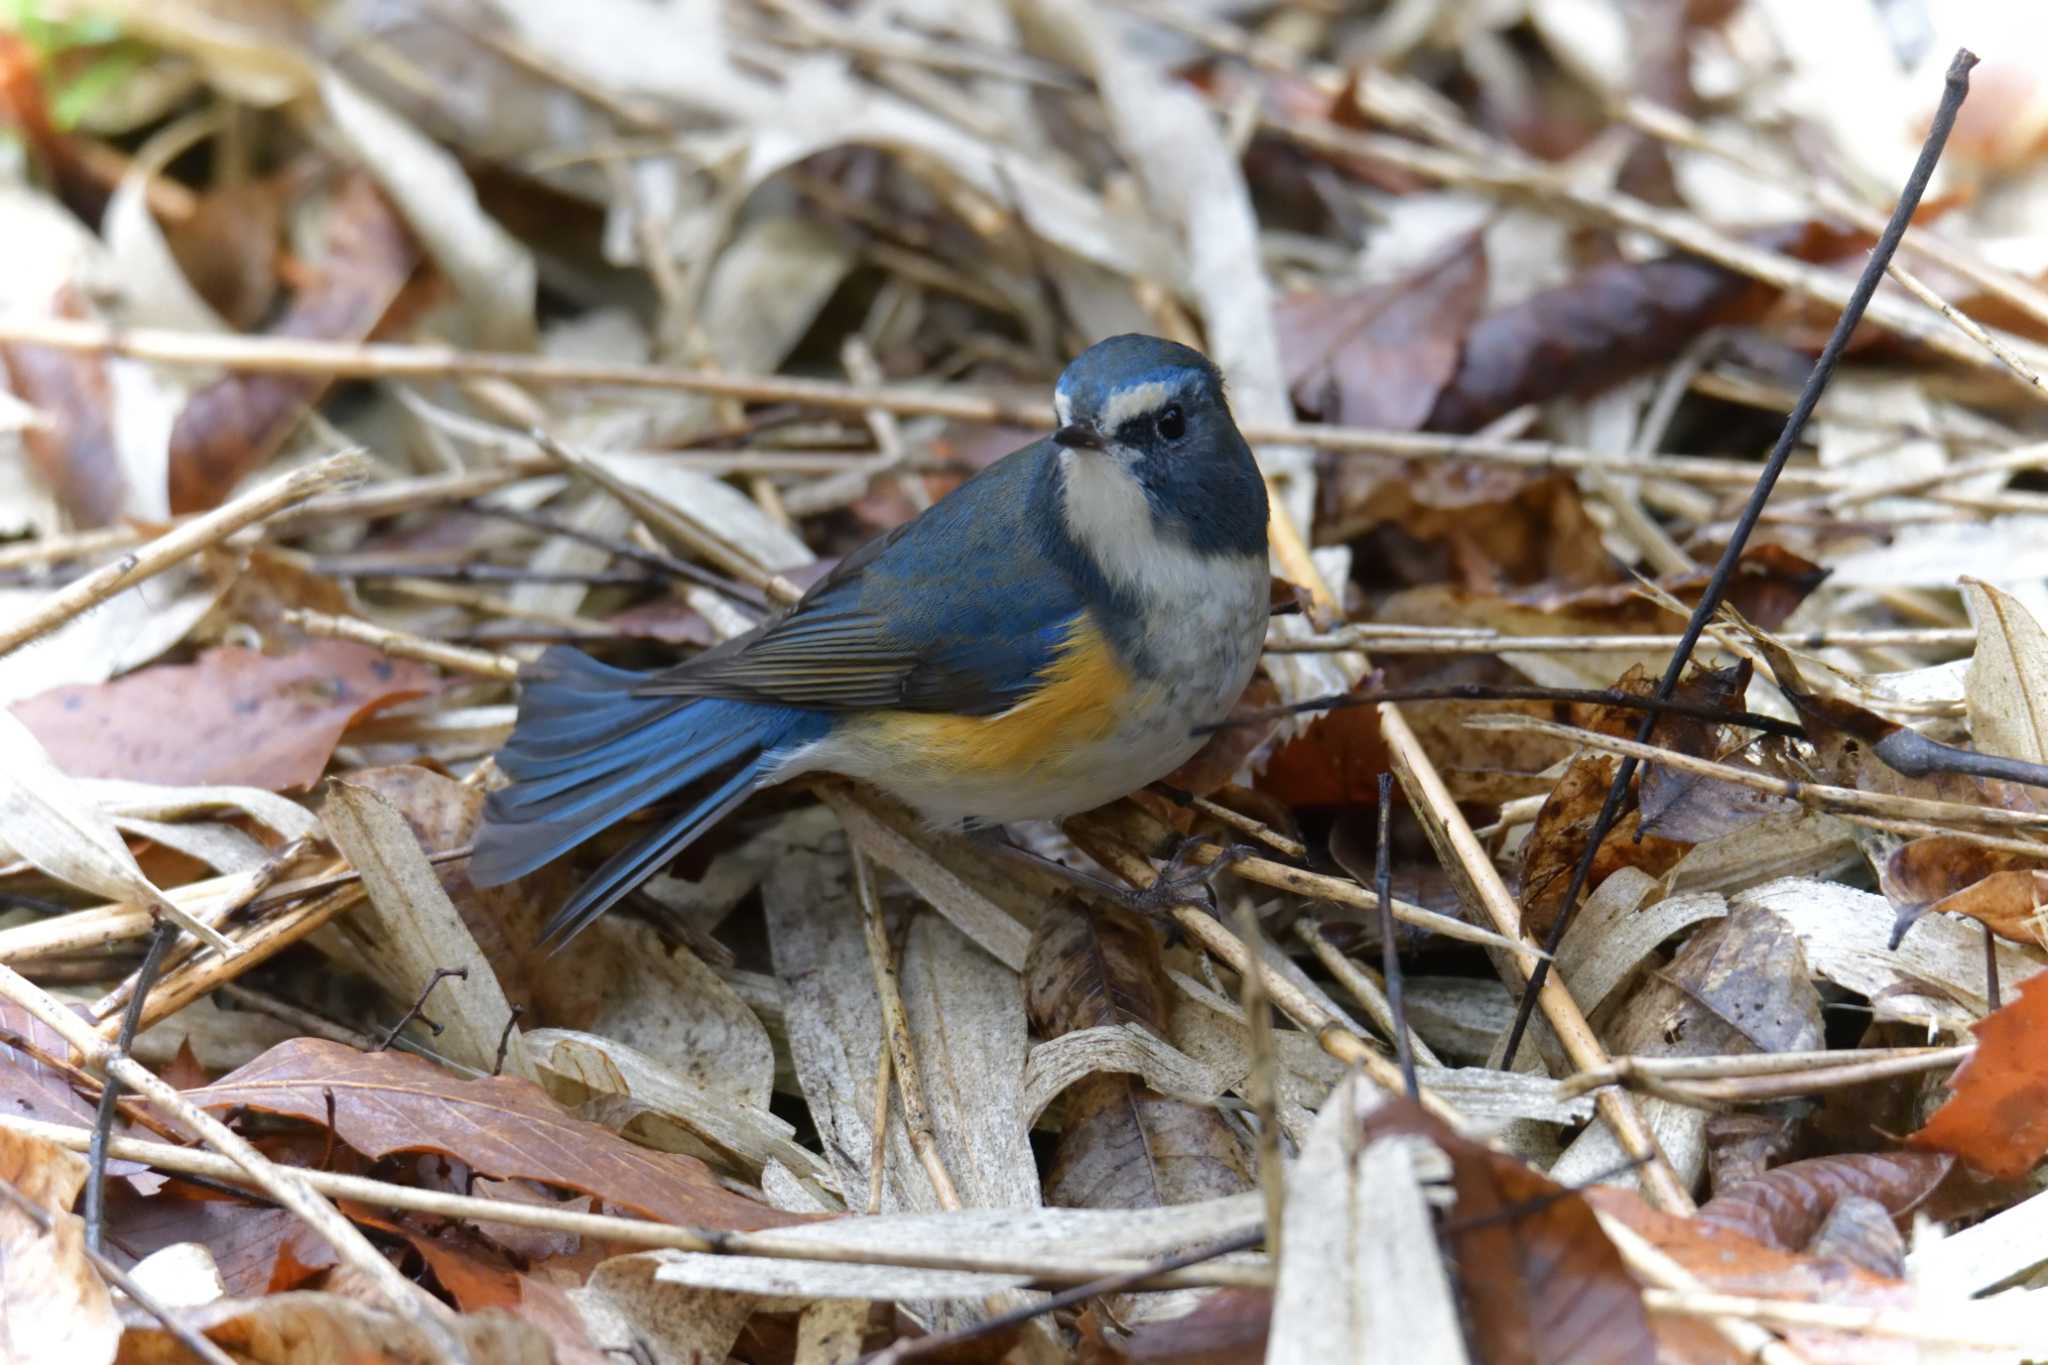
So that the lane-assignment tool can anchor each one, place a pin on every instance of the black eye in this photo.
(1172, 423)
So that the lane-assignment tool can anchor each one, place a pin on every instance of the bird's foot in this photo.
(1182, 882)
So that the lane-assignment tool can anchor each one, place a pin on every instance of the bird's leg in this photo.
(1181, 883)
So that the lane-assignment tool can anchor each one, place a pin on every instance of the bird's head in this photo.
(1145, 412)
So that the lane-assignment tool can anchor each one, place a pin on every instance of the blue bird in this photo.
(1041, 641)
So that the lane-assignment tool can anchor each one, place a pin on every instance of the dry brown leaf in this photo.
(1377, 357)
(1787, 1208)
(229, 429)
(385, 1102)
(243, 717)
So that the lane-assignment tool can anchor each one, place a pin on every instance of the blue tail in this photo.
(587, 752)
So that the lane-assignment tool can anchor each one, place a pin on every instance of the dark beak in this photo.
(1078, 436)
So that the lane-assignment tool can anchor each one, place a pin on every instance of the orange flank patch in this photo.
(1077, 706)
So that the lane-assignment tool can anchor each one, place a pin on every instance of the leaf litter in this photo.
(1510, 311)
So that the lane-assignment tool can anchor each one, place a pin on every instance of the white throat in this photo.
(1107, 514)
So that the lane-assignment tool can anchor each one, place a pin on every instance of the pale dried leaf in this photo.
(415, 929)
(54, 1309)
(1124, 1048)
(575, 1066)
(1362, 1277)
(2008, 709)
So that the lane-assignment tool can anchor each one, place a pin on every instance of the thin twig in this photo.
(1262, 1086)
(911, 1347)
(113, 1274)
(398, 644)
(419, 1004)
(1958, 86)
(110, 1089)
(175, 546)
(1390, 952)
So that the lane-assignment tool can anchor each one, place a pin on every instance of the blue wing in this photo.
(960, 610)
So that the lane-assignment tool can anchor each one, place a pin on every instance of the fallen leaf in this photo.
(305, 1328)
(1996, 1116)
(1555, 846)
(228, 429)
(75, 451)
(1122, 1144)
(1786, 1208)
(1376, 357)
(28, 1088)
(2008, 712)
(385, 1102)
(54, 1309)
(242, 717)
(1540, 1280)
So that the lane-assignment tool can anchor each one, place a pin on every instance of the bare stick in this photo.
(1958, 86)
(1390, 953)
(110, 1091)
(1262, 1083)
(175, 546)
(397, 643)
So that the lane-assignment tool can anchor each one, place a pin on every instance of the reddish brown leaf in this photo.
(1122, 1145)
(1996, 1117)
(1336, 761)
(1540, 1280)
(228, 429)
(472, 1271)
(1786, 1208)
(1730, 1263)
(1377, 357)
(240, 717)
(386, 1102)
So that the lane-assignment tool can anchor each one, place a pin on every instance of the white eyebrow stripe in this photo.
(1125, 404)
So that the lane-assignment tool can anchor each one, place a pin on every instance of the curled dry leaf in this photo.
(385, 1102)
(2000, 888)
(1123, 1145)
(1551, 853)
(1787, 1208)
(242, 717)
(2004, 689)
(1996, 1116)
